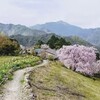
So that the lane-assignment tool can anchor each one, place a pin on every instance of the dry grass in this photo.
(55, 82)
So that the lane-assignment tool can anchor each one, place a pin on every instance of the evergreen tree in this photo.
(39, 42)
(56, 43)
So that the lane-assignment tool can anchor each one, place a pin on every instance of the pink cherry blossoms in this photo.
(79, 58)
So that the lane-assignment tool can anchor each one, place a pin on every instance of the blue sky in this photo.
(84, 13)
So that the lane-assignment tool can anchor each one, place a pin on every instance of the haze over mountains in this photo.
(11, 29)
(30, 35)
(64, 29)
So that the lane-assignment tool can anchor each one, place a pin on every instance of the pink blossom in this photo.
(79, 58)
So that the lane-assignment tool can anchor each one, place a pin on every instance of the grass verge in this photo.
(55, 82)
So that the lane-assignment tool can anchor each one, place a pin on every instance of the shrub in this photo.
(79, 58)
(8, 46)
(51, 58)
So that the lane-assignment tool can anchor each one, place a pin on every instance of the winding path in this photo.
(12, 89)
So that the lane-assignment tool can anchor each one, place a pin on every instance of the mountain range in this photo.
(28, 36)
(11, 29)
(65, 29)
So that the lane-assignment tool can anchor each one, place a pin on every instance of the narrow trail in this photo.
(12, 89)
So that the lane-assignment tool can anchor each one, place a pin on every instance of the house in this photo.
(44, 46)
(46, 52)
(26, 50)
(23, 49)
(51, 52)
(38, 51)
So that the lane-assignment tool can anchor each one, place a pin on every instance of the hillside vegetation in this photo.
(55, 82)
(31, 40)
(8, 64)
(8, 46)
(56, 43)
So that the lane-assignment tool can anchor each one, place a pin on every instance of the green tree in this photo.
(39, 42)
(56, 43)
(8, 46)
(52, 41)
(61, 42)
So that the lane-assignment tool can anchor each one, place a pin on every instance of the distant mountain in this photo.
(31, 40)
(77, 40)
(11, 29)
(29, 36)
(65, 29)
(60, 28)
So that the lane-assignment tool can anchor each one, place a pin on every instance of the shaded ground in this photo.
(55, 82)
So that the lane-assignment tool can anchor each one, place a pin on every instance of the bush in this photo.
(79, 58)
(8, 46)
(51, 58)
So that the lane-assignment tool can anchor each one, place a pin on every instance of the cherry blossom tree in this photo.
(79, 58)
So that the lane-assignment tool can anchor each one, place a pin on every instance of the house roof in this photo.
(51, 51)
(44, 46)
(48, 51)
(39, 50)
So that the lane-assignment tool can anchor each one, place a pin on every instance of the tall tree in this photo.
(56, 43)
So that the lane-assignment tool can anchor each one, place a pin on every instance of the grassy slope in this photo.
(8, 64)
(54, 82)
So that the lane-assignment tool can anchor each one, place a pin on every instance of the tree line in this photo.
(54, 42)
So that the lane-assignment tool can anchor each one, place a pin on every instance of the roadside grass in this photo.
(22, 81)
(55, 82)
(9, 64)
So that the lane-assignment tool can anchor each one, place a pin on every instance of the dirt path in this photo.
(13, 89)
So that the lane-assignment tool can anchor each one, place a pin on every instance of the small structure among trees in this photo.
(46, 52)
(44, 46)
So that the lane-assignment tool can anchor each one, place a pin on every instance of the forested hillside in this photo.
(62, 28)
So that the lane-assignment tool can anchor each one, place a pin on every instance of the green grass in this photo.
(22, 81)
(67, 84)
(88, 87)
(9, 64)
